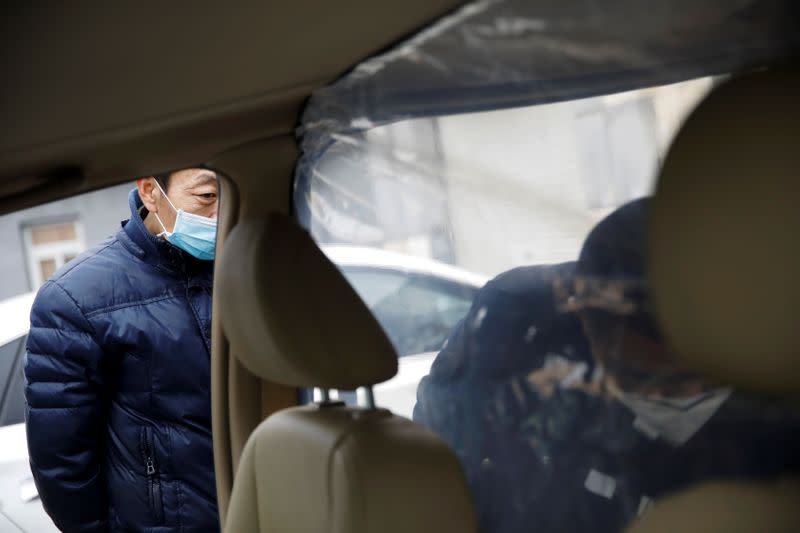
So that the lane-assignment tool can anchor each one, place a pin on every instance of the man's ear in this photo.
(149, 193)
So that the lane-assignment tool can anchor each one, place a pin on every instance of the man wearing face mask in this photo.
(118, 370)
(654, 427)
(544, 449)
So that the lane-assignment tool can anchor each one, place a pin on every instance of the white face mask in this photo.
(674, 419)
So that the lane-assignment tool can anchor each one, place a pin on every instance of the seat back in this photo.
(292, 318)
(723, 257)
(338, 469)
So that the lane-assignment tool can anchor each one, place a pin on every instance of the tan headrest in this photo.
(726, 507)
(724, 242)
(290, 315)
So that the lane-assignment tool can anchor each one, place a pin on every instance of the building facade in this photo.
(490, 191)
(38, 241)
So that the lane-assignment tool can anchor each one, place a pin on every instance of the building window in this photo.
(50, 246)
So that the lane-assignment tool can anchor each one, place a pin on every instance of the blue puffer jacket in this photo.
(118, 379)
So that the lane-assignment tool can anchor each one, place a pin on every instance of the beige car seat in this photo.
(724, 258)
(292, 318)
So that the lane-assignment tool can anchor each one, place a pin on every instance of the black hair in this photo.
(163, 180)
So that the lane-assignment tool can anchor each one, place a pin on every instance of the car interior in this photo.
(97, 94)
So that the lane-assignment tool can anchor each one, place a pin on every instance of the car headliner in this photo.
(97, 92)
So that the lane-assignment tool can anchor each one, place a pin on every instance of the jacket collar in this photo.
(156, 251)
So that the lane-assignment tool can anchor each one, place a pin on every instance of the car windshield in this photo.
(520, 142)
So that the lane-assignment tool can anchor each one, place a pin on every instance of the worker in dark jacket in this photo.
(551, 443)
(494, 392)
(118, 373)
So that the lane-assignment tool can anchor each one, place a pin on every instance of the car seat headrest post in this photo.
(324, 396)
(367, 397)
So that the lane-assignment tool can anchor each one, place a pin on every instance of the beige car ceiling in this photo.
(94, 93)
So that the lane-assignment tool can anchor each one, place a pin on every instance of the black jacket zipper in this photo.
(151, 471)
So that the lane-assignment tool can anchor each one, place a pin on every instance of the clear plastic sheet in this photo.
(508, 53)
(517, 142)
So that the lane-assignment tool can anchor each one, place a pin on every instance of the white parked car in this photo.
(417, 301)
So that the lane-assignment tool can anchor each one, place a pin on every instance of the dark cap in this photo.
(611, 271)
(615, 248)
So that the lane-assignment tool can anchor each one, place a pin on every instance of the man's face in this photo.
(195, 190)
(635, 363)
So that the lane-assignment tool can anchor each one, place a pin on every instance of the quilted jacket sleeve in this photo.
(435, 392)
(65, 413)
